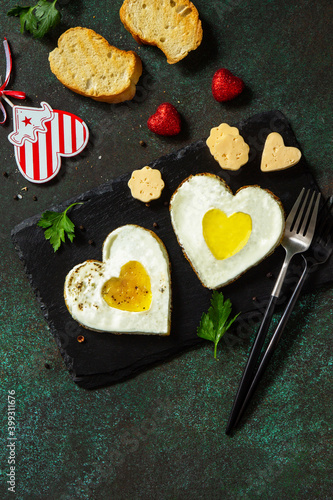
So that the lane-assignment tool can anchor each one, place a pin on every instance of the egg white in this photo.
(202, 192)
(84, 283)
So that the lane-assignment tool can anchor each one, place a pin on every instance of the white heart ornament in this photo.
(109, 296)
(248, 226)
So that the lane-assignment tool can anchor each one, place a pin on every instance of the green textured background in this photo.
(161, 434)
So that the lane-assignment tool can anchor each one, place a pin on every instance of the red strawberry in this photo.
(226, 86)
(166, 120)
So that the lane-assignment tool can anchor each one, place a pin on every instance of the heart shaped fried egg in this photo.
(129, 292)
(221, 234)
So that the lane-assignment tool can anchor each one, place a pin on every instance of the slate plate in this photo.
(105, 358)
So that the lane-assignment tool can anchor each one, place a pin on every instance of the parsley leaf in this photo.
(38, 19)
(213, 324)
(56, 225)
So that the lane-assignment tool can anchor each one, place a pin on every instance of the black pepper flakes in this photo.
(147, 204)
(15, 197)
(47, 366)
(82, 228)
(34, 197)
(5, 174)
(155, 225)
(143, 144)
(269, 275)
(91, 242)
(254, 299)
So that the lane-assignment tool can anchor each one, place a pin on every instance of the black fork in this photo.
(318, 253)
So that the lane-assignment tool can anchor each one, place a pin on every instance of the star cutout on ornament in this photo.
(27, 121)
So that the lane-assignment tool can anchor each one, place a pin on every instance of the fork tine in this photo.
(301, 230)
(293, 211)
(312, 225)
(296, 224)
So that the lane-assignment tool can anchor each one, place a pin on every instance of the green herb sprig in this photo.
(56, 225)
(213, 324)
(37, 19)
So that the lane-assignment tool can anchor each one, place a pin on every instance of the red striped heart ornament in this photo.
(41, 136)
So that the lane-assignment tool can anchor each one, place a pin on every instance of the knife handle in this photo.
(274, 340)
(251, 363)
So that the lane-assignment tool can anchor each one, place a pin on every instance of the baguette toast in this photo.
(172, 25)
(88, 65)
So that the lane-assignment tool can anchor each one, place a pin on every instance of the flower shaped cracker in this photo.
(228, 147)
(146, 184)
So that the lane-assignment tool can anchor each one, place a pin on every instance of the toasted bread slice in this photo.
(172, 25)
(87, 64)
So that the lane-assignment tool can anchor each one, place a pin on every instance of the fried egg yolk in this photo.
(131, 291)
(225, 236)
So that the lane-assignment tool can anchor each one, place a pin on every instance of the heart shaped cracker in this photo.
(221, 234)
(129, 292)
(277, 156)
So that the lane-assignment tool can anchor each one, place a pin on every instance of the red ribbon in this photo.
(3, 91)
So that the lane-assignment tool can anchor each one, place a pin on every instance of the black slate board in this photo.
(106, 358)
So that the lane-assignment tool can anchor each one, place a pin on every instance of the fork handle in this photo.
(282, 274)
(251, 363)
(248, 372)
(275, 339)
